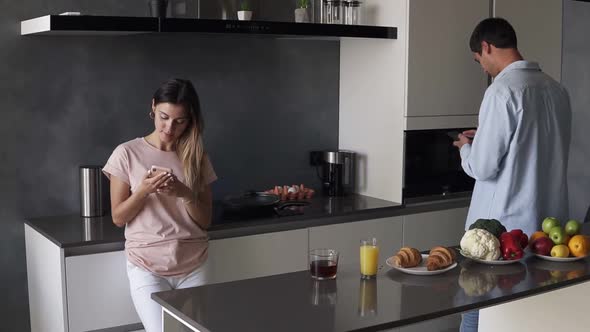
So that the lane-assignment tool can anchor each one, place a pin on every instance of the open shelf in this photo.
(89, 25)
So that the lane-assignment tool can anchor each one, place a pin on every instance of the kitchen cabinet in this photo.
(426, 79)
(442, 78)
(257, 255)
(538, 25)
(426, 230)
(98, 292)
(77, 293)
(345, 238)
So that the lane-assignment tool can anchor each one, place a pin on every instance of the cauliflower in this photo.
(480, 244)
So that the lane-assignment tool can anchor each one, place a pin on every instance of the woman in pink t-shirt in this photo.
(165, 214)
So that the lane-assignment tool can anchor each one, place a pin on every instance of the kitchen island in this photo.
(296, 302)
(76, 266)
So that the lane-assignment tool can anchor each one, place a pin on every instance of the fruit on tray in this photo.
(578, 246)
(407, 257)
(558, 241)
(560, 250)
(542, 246)
(549, 223)
(537, 235)
(572, 227)
(481, 244)
(557, 235)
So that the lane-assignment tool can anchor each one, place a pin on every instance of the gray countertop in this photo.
(78, 235)
(295, 302)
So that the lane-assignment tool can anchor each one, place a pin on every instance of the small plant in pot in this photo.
(302, 11)
(245, 12)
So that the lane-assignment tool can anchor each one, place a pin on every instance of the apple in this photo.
(557, 235)
(560, 250)
(542, 246)
(572, 227)
(549, 223)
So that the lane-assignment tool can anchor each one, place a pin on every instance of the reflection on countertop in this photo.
(296, 302)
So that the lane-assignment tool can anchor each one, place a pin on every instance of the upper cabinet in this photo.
(538, 25)
(442, 77)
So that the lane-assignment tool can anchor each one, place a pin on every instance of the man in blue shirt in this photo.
(518, 155)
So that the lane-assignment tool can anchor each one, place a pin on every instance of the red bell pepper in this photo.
(523, 239)
(510, 246)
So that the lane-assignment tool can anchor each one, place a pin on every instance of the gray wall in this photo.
(576, 78)
(69, 100)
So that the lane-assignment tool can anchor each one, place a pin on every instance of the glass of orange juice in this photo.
(369, 258)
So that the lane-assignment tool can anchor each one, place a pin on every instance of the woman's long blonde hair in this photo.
(189, 147)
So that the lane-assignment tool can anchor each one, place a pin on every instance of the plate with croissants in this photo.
(409, 260)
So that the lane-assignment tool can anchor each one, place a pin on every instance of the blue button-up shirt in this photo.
(520, 152)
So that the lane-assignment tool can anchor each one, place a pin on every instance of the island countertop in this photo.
(78, 235)
(296, 302)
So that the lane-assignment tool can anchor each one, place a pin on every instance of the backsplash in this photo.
(70, 100)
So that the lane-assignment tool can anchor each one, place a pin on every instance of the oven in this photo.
(432, 166)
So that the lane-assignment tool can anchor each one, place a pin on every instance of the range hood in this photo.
(105, 25)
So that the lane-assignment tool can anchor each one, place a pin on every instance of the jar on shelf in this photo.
(334, 11)
(352, 12)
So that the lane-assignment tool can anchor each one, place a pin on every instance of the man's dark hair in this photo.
(495, 31)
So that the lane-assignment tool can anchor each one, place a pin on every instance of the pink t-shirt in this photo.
(162, 238)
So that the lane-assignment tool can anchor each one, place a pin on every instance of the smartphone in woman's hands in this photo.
(155, 170)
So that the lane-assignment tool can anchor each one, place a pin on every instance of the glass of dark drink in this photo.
(323, 263)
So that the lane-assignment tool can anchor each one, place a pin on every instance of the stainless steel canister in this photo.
(91, 191)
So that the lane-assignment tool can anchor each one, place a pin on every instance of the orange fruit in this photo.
(566, 239)
(537, 235)
(578, 246)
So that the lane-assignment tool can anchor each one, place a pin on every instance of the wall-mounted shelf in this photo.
(88, 25)
(288, 29)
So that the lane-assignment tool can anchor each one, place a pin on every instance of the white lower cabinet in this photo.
(425, 230)
(98, 293)
(257, 255)
(345, 238)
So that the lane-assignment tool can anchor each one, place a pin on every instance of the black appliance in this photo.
(432, 166)
(337, 171)
(252, 204)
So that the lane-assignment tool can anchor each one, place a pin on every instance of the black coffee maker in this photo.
(337, 171)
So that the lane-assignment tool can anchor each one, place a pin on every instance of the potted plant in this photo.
(302, 11)
(245, 12)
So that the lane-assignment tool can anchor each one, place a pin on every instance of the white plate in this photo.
(419, 270)
(494, 262)
(560, 259)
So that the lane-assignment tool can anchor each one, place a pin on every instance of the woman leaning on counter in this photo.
(165, 213)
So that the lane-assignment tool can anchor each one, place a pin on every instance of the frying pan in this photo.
(254, 203)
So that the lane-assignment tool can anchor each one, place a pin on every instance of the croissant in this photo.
(439, 258)
(407, 257)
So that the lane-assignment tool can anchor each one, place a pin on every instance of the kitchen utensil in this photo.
(91, 191)
(338, 171)
(255, 204)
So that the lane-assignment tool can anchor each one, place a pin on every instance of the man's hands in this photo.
(465, 138)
